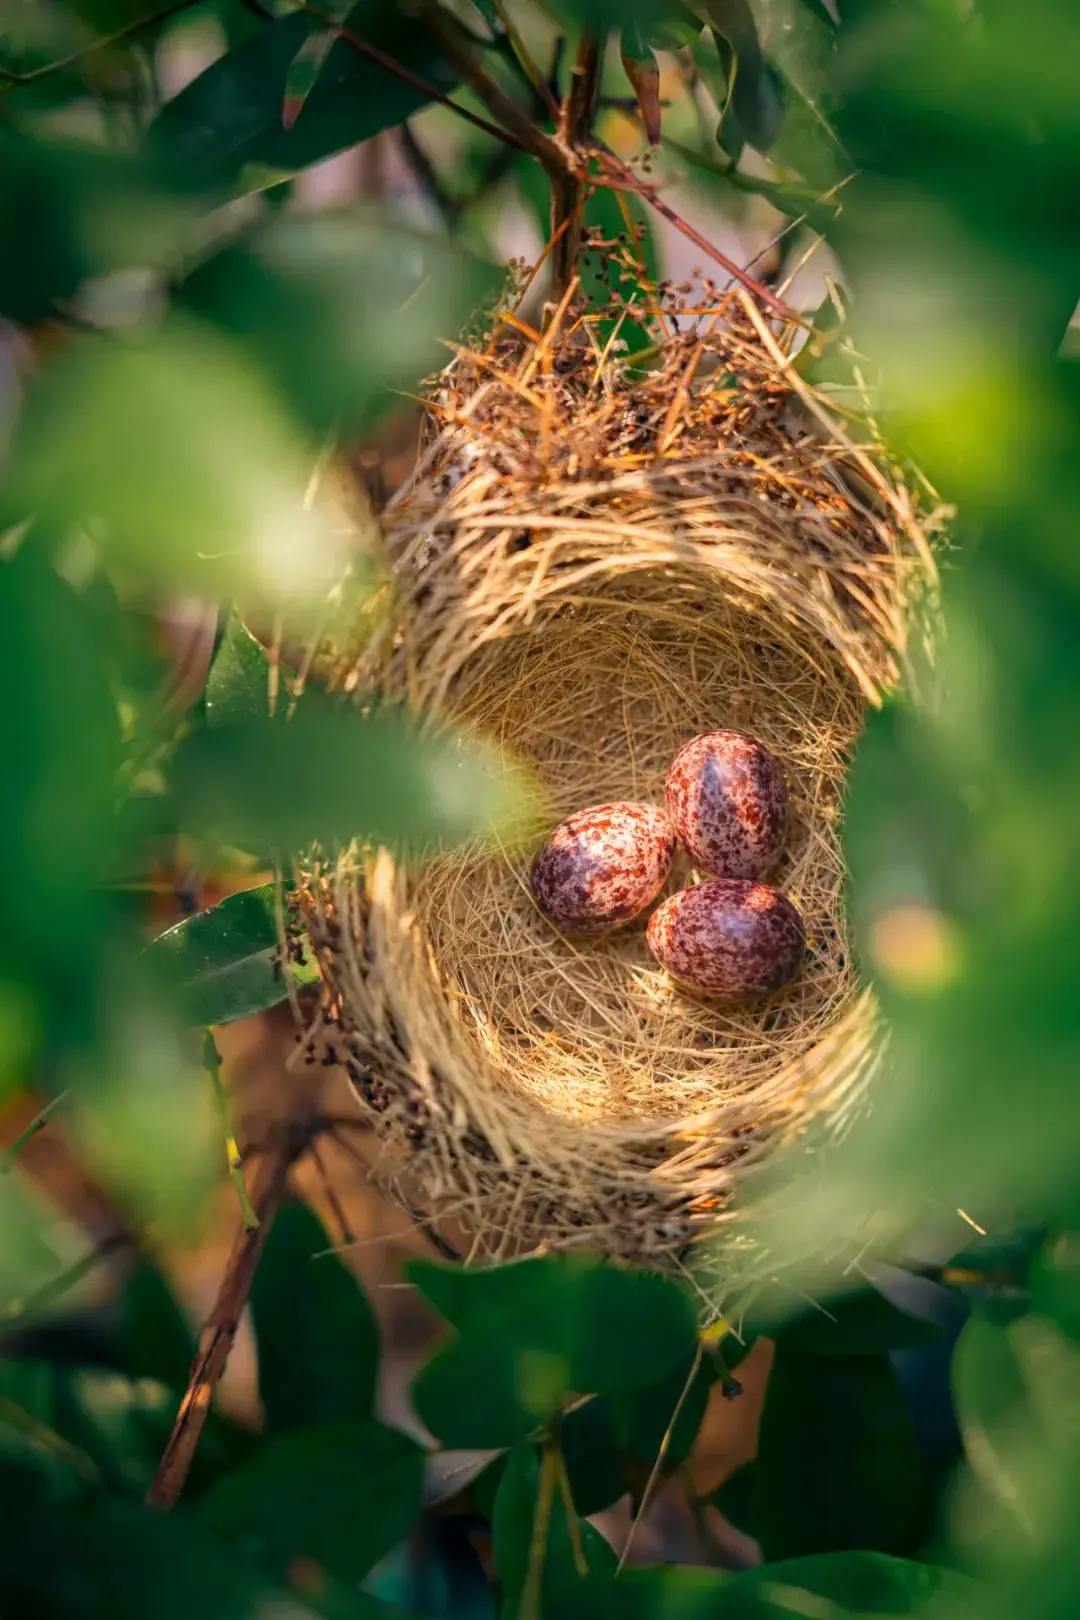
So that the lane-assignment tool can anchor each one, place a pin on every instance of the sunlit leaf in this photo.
(174, 450)
(228, 962)
(373, 298)
(332, 773)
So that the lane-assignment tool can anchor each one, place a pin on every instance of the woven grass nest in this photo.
(592, 564)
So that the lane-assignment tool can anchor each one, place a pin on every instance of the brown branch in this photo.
(567, 184)
(400, 71)
(219, 1334)
(517, 125)
(620, 178)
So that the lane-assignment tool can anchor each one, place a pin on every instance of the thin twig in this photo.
(650, 1484)
(620, 178)
(414, 1212)
(212, 1065)
(567, 184)
(219, 1334)
(346, 1234)
(406, 74)
(18, 1309)
(427, 177)
(521, 51)
(38, 1123)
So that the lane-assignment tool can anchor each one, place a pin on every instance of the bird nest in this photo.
(592, 563)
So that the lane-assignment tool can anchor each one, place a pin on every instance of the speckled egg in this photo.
(601, 867)
(728, 938)
(728, 803)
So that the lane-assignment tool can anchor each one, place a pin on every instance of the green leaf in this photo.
(372, 297)
(333, 773)
(1016, 1385)
(304, 70)
(512, 1531)
(862, 1323)
(615, 1330)
(837, 1467)
(60, 731)
(154, 1335)
(122, 1424)
(120, 1562)
(751, 103)
(316, 1334)
(475, 1394)
(78, 212)
(829, 1587)
(643, 1417)
(1055, 1282)
(226, 126)
(343, 1494)
(589, 1445)
(93, 1425)
(238, 685)
(188, 468)
(225, 963)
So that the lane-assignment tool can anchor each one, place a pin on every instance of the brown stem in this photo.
(219, 1334)
(517, 125)
(620, 178)
(567, 184)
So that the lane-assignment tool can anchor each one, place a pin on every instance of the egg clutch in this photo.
(730, 936)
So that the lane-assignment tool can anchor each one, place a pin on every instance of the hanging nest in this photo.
(592, 564)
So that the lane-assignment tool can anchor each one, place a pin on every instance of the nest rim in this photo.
(457, 1137)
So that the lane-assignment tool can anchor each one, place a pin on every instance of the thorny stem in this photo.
(212, 1065)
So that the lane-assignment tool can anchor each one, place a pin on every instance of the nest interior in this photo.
(593, 564)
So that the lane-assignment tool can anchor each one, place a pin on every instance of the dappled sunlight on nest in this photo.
(592, 568)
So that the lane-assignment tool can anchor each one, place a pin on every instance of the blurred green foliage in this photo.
(186, 341)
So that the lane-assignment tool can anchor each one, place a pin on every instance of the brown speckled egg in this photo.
(729, 938)
(727, 801)
(601, 867)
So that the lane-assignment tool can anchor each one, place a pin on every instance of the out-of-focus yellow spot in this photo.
(916, 948)
(541, 1380)
(716, 1331)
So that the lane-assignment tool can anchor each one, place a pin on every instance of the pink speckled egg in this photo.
(727, 801)
(601, 867)
(729, 938)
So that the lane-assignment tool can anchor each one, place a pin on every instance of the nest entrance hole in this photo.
(597, 688)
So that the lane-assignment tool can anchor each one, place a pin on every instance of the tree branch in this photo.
(567, 185)
(619, 178)
(517, 125)
(219, 1334)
